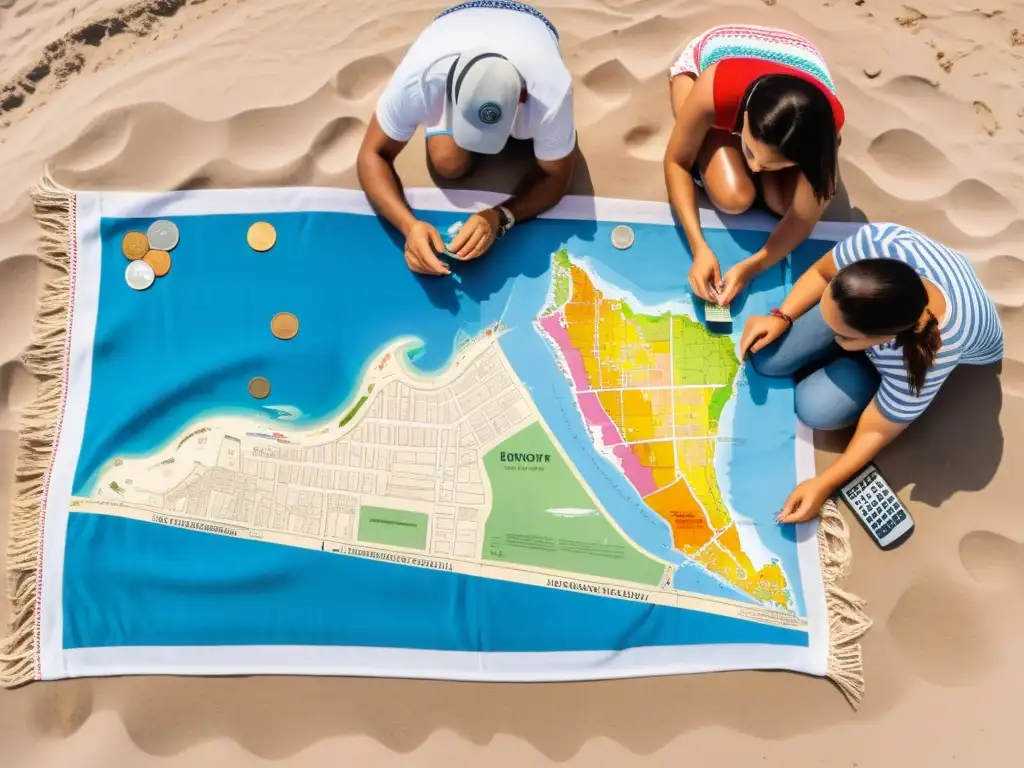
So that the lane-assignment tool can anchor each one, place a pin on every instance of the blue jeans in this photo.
(833, 386)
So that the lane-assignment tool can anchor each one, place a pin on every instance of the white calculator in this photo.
(878, 508)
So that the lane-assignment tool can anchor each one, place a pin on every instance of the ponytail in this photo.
(919, 349)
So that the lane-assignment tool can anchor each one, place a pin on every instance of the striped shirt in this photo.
(970, 329)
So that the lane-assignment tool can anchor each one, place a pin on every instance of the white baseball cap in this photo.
(483, 91)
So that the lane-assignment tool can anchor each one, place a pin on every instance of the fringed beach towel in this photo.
(262, 446)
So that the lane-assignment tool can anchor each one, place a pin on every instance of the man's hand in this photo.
(705, 274)
(422, 245)
(759, 332)
(805, 501)
(476, 235)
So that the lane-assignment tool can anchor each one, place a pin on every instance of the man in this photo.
(471, 99)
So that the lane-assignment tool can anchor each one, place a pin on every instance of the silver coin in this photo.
(622, 237)
(139, 275)
(163, 235)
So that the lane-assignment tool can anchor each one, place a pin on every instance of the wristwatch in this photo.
(505, 220)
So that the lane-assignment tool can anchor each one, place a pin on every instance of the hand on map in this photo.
(705, 274)
(759, 332)
(423, 243)
(476, 235)
(804, 502)
(735, 280)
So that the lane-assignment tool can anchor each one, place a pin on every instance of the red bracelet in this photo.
(782, 316)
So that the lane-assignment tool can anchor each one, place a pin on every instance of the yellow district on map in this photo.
(654, 388)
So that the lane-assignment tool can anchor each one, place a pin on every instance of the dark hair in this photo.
(886, 297)
(794, 117)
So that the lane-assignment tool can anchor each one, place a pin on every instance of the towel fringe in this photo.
(44, 359)
(847, 620)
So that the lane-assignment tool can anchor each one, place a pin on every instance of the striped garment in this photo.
(971, 333)
(501, 5)
(749, 42)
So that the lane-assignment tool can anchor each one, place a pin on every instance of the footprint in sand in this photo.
(1003, 278)
(99, 144)
(978, 209)
(647, 142)
(150, 148)
(911, 86)
(362, 77)
(334, 149)
(906, 152)
(993, 559)
(296, 125)
(611, 81)
(943, 632)
(988, 120)
(911, 19)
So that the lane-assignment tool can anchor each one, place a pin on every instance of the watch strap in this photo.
(505, 220)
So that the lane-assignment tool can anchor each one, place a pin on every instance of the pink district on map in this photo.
(639, 476)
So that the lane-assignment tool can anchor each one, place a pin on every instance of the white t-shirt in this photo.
(412, 99)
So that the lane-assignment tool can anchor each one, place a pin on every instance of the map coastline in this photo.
(605, 323)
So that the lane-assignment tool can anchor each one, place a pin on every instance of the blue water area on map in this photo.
(186, 349)
(176, 587)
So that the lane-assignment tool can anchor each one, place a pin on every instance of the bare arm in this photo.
(375, 166)
(693, 122)
(795, 227)
(809, 288)
(872, 434)
(541, 188)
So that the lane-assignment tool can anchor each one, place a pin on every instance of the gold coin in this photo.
(134, 245)
(285, 325)
(262, 236)
(259, 387)
(160, 261)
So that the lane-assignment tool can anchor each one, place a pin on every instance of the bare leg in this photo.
(449, 159)
(725, 173)
(778, 188)
(720, 162)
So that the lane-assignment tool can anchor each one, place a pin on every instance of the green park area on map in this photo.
(542, 516)
(393, 527)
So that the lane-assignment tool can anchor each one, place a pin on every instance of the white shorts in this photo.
(687, 62)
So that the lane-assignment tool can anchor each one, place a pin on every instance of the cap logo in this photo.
(489, 113)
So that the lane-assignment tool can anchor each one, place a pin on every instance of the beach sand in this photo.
(222, 93)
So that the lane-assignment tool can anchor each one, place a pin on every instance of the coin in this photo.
(163, 235)
(259, 387)
(160, 261)
(622, 237)
(261, 236)
(134, 245)
(285, 325)
(139, 275)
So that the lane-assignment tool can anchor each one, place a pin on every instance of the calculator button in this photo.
(899, 517)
